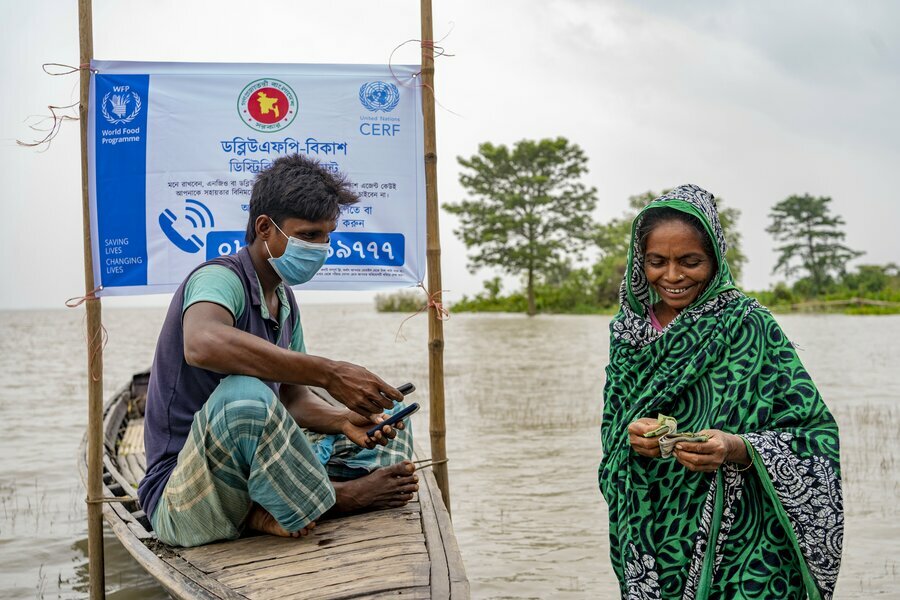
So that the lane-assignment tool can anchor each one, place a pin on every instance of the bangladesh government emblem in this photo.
(124, 107)
(267, 105)
(378, 95)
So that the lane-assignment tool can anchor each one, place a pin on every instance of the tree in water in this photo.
(527, 209)
(813, 240)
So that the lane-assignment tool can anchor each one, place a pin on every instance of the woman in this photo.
(755, 511)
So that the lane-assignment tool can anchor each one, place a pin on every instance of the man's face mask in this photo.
(300, 261)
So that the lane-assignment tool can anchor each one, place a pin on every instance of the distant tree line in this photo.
(528, 215)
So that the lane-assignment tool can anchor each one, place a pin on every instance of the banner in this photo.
(173, 150)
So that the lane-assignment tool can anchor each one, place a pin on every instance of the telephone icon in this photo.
(191, 243)
(167, 220)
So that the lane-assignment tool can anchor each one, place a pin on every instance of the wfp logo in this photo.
(123, 103)
(181, 235)
(378, 95)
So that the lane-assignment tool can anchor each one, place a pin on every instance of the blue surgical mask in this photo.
(300, 261)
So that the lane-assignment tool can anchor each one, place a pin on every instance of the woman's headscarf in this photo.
(636, 295)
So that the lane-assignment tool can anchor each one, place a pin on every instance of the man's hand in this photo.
(360, 390)
(355, 427)
(648, 447)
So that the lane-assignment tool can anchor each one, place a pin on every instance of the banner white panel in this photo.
(174, 148)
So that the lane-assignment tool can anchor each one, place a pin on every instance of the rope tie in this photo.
(99, 340)
(65, 69)
(441, 312)
(438, 52)
(76, 301)
(427, 462)
(55, 70)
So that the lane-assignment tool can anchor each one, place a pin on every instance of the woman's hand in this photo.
(708, 456)
(356, 425)
(648, 447)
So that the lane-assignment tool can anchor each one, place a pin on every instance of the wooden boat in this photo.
(408, 552)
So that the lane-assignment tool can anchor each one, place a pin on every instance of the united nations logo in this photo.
(124, 107)
(267, 105)
(378, 95)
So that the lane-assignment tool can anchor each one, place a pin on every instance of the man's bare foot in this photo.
(387, 487)
(260, 520)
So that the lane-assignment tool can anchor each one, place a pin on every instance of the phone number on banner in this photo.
(347, 248)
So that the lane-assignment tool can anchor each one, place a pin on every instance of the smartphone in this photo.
(394, 418)
(405, 389)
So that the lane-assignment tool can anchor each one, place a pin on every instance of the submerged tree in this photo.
(813, 240)
(528, 209)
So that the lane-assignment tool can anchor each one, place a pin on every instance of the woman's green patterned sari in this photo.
(772, 531)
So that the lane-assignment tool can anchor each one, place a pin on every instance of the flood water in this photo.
(523, 414)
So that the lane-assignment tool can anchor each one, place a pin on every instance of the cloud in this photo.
(755, 101)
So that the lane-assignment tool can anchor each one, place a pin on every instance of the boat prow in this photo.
(408, 552)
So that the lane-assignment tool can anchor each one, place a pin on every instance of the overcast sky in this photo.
(753, 101)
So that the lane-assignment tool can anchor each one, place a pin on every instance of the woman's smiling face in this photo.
(676, 264)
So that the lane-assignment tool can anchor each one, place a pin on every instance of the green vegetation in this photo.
(527, 212)
(571, 295)
(408, 301)
(870, 290)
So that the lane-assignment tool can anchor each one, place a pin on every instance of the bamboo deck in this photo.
(407, 552)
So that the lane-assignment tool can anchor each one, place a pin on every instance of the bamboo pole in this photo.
(94, 328)
(437, 423)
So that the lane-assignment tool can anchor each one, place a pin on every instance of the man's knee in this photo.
(242, 393)
(242, 405)
(237, 414)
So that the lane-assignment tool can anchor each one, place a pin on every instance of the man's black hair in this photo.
(657, 216)
(300, 188)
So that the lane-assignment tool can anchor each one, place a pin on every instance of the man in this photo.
(233, 436)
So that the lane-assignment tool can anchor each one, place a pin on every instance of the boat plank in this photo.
(132, 445)
(330, 533)
(137, 472)
(129, 487)
(113, 421)
(351, 562)
(133, 438)
(459, 583)
(119, 509)
(416, 593)
(215, 587)
(124, 515)
(138, 530)
(439, 577)
(402, 572)
(127, 476)
(392, 541)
